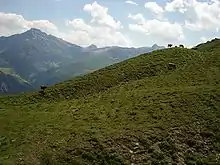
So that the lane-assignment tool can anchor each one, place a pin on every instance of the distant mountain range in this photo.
(33, 58)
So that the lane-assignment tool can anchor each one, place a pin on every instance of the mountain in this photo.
(156, 108)
(34, 53)
(92, 47)
(40, 58)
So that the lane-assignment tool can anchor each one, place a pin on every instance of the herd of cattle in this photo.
(170, 45)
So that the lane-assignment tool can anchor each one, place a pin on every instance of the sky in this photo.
(115, 22)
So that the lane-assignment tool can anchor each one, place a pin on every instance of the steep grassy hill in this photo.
(135, 112)
(213, 45)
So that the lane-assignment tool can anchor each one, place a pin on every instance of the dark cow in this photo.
(171, 66)
(170, 45)
(43, 87)
(181, 46)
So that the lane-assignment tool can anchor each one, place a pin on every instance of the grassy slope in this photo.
(213, 45)
(144, 66)
(137, 111)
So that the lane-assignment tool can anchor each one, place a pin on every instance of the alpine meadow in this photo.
(138, 111)
(109, 82)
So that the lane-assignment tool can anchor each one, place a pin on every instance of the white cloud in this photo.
(85, 34)
(203, 15)
(160, 30)
(131, 2)
(79, 24)
(102, 30)
(100, 15)
(44, 25)
(137, 17)
(178, 5)
(138, 28)
(207, 16)
(154, 8)
(11, 23)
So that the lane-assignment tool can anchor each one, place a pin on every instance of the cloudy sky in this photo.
(115, 22)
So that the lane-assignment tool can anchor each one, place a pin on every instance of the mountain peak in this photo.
(35, 33)
(35, 30)
(92, 46)
(155, 46)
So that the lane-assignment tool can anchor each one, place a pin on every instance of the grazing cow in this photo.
(171, 66)
(170, 45)
(43, 87)
(181, 46)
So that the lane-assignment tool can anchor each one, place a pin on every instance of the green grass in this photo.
(209, 46)
(137, 111)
